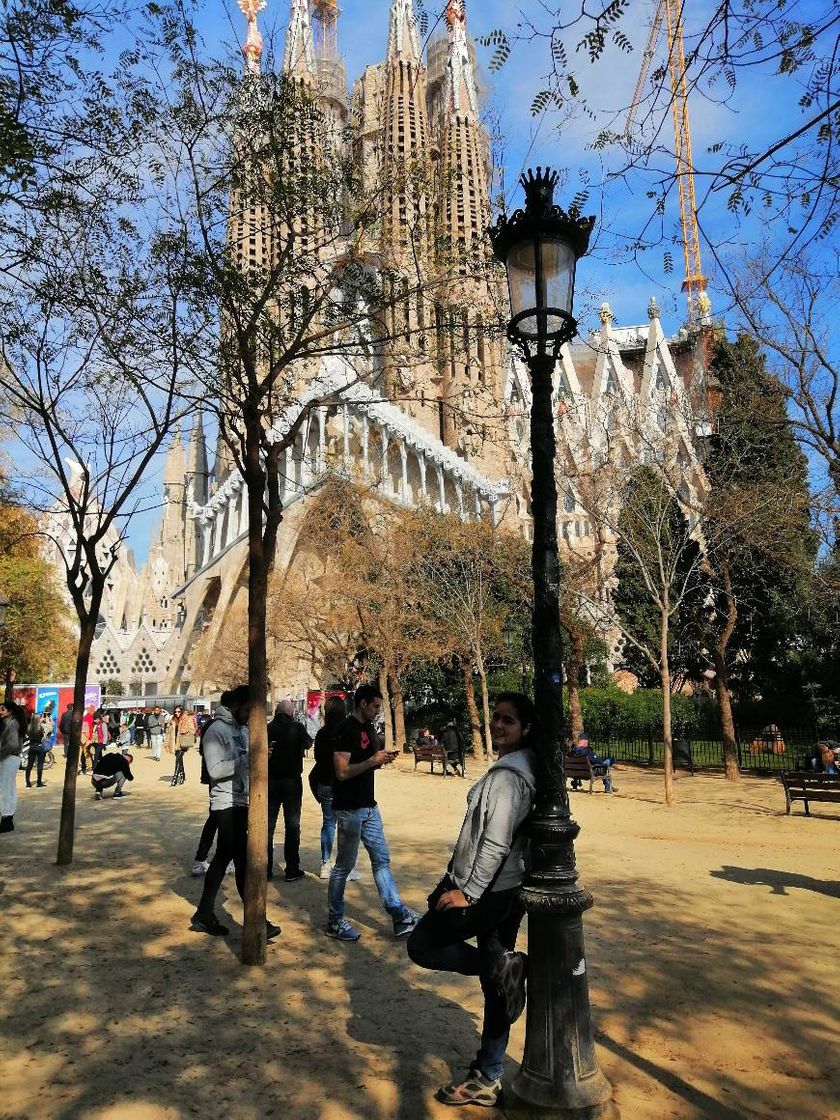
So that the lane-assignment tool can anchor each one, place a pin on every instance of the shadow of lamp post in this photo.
(559, 1076)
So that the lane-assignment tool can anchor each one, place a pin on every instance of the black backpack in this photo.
(205, 773)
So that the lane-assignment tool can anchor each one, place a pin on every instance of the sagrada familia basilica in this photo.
(450, 430)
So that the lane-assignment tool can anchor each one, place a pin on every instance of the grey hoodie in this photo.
(225, 749)
(496, 806)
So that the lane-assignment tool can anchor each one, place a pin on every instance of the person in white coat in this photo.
(12, 731)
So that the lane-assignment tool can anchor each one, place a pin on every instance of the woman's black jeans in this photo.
(494, 922)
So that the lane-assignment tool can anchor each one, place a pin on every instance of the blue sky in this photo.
(756, 109)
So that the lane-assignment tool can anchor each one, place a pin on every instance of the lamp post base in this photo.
(559, 1075)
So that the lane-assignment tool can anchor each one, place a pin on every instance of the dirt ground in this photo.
(712, 953)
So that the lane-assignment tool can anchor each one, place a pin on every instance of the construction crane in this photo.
(694, 284)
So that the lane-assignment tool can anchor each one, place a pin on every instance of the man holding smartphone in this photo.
(357, 757)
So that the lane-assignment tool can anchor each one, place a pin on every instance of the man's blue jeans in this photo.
(365, 826)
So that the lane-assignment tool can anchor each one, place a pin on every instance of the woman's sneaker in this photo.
(355, 876)
(324, 873)
(208, 923)
(476, 1088)
(342, 931)
(199, 867)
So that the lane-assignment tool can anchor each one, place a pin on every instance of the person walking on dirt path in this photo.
(287, 744)
(155, 725)
(224, 747)
(356, 758)
(12, 731)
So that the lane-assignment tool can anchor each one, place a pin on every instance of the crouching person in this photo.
(112, 770)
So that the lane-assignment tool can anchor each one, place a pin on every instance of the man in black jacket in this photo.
(287, 742)
(113, 769)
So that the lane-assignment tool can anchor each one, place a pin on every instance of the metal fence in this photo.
(758, 751)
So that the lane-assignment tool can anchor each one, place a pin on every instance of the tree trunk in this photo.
(667, 739)
(386, 709)
(67, 823)
(574, 663)
(724, 699)
(399, 713)
(472, 709)
(8, 686)
(727, 721)
(253, 933)
(485, 702)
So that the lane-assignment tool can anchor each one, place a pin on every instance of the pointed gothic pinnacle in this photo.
(462, 92)
(253, 46)
(299, 52)
(403, 36)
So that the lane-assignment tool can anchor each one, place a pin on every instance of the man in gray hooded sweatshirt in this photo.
(224, 748)
(478, 897)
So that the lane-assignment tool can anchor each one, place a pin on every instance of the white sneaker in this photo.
(230, 869)
(325, 871)
(354, 876)
(199, 867)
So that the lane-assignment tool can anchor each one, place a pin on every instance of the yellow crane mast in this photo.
(694, 284)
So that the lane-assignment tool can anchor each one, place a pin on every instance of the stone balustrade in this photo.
(342, 426)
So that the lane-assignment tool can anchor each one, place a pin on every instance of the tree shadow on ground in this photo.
(778, 881)
(110, 1002)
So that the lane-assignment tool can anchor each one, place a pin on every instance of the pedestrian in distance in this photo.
(65, 727)
(356, 758)
(38, 733)
(478, 897)
(101, 737)
(113, 769)
(224, 748)
(85, 755)
(12, 731)
(287, 744)
(180, 737)
(155, 724)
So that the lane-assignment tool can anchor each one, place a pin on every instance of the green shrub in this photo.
(610, 709)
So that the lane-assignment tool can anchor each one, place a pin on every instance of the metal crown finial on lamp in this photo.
(539, 247)
(559, 1075)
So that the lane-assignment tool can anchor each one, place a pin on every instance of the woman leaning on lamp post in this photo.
(478, 897)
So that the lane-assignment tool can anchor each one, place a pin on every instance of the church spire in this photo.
(403, 36)
(299, 53)
(461, 93)
(253, 46)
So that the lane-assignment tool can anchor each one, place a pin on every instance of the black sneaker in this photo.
(208, 923)
(118, 793)
(293, 876)
(271, 931)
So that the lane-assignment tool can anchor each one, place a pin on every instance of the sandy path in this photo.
(712, 959)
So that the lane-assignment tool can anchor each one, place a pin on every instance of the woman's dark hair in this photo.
(335, 712)
(18, 714)
(525, 710)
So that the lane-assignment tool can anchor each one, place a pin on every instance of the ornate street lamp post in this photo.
(559, 1075)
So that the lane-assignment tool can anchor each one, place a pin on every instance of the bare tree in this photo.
(91, 366)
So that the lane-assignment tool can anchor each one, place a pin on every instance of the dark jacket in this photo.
(113, 763)
(288, 741)
(65, 724)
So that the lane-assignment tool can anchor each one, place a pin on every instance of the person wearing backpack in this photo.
(40, 727)
(224, 752)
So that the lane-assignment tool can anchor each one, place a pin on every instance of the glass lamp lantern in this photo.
(539, 247)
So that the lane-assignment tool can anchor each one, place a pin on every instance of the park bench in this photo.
(577, 766)
(808, 787)
(431, 753)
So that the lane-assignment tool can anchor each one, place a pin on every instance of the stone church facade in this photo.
(450, 431)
